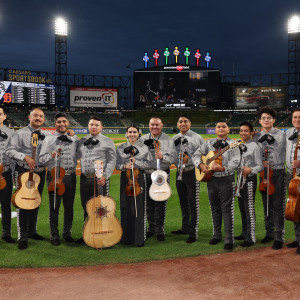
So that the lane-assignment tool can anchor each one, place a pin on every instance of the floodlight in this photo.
(294, 24)
(61, 26)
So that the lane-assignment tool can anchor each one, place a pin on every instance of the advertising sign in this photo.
(254, 97)
(93, 97)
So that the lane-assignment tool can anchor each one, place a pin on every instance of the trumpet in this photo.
(241, 180)
(180, 166)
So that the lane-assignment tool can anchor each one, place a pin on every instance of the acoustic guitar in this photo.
(101, 228)
(159, 189)
(210, 158)
(27, 195)
(2, 179)
(292, 211)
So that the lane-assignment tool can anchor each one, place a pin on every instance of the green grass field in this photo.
(43, 254)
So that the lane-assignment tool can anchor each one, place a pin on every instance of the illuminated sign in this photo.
(93, 97)
(197, 56)
(187, 53)
(26, 93)
(167, 54)
(176, 53)
(145, 59)
(156, 56)
(26, 76)
(207, 59)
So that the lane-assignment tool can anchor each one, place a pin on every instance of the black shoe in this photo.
(160, 237)
(178, 232)
(214, 241)
(22, 245)
(228, 247)
(247, 244)
(36, 237)
(298, 250)
(277, 245)
(239, 238)
(55, 242)
(149, 234)
(80, 241)
(266, 239)
(69, 239)
(191, 240)
(294, 244)
(8, 239)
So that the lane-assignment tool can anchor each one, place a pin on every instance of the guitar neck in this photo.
(220, 153)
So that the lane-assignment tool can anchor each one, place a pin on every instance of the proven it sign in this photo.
(93, 97)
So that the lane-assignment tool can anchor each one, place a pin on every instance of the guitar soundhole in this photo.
(101, 212)
(30, 184)
(160, 180)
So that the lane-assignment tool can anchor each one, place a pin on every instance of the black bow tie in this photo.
(130, 149)
(91, 140)
(267, 137)
(41, 136)
(3, 135)
(64, 138)
(149, 143)
(220, 144)
(243, 148)
(294, 135)
(180, 140)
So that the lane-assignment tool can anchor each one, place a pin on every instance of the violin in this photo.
(2, 179)
(292, 211)
(266, 185)
(57, 174)
(133, 188)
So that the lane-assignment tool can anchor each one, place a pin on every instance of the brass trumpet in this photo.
(241, 180)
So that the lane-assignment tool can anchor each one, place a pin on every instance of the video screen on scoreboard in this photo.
(254, 97)
(26, 93)
(177, 88)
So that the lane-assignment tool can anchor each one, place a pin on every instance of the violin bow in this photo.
(55, 166)
(133, 183)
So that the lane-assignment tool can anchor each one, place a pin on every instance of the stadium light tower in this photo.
(61, 71)
(294, 59)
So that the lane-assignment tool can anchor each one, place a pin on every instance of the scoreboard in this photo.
(26, 93)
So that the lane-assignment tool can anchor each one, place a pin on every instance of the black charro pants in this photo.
(68, 203)
(27, 219)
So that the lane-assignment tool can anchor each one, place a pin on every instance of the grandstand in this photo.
(198, 118)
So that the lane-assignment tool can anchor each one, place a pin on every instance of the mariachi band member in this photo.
(273, 141)
(133, 158)
(186, 143)
(64, 146)
(221, 187)
(6, 191)
(291, 138)
(251, 164)
(94, 146)
(20, 149)
(156, 210)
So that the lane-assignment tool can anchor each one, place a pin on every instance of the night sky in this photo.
(110, 37)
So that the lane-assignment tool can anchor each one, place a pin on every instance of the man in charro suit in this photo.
(274, 140)
(221, 187)
(187, 142)
(5, 193)
(156, 210)
(20, 149)
(94, 146)
(252, 165)
(49, 152)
